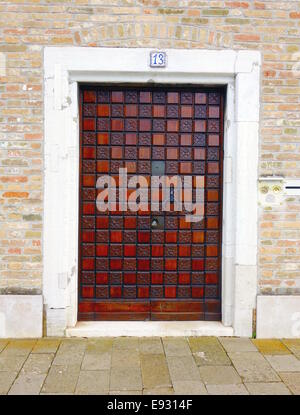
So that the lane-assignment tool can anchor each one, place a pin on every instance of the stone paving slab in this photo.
(45, 393)
(151, 345)
(47, 345)
(155, 371)
(62, 379)
(150, 366)
(19, 348)
(159, 391)
(235, 389)
(125, 358)
(126, 343)
(184, 368)
(253, 367)
(3, 344)
(127, 392)
(175, 346)
(99, 345)
(219, 375)
(37, 364)
(292, 381)
(208, 351)
(72, 346)
(11, 363)
(71, 357)
(204, 343)
(236, 344)
(271, 388)
(6, 380)
(285, 363)
(189, 387)
(271, 346)
(96, 361)
(28, 384)
(70, 352)
(129, 378)
(293, 345)
(93, 382)
(212, 358)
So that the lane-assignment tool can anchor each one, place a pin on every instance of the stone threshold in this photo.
(148, 329)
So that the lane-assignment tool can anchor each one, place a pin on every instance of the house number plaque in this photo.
(158, 59)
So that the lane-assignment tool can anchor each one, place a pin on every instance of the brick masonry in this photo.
(27, 26)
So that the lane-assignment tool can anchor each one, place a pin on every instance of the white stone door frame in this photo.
(64, 68)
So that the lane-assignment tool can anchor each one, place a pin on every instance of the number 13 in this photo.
(158, 59)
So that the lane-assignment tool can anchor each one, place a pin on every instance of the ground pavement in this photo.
(130, 365)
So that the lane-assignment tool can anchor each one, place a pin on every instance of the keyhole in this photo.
(154, 223)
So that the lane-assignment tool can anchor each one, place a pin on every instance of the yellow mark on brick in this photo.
(18, 195)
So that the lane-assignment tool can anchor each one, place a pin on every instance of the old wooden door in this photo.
(150, 265)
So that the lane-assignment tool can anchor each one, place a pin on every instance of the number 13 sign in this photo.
(158, 59)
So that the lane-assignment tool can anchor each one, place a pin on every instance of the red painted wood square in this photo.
(157, 250)
(102, 250)
(186, 111)
(89, 152)
(131, 110)
(213, 140)
(87, 292)
(129, 250)
(144, 153)
(171, 237)
(170, 292)
(173, 125)
(158, 111)
(117, 125)
(102, 166)
(116, 96)
(158, 139)
(157, 277)
(184, 278)
(173, 97)
(184, 250)
(89, 96)
(102, 138)
(103, 110)
(89, 180)
(172, 153)
(129, 278)
(186, 139)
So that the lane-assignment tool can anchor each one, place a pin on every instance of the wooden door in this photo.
(150, 265)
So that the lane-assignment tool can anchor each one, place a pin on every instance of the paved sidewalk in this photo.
(123, 365)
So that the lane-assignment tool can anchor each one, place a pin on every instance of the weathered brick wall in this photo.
(26, 26)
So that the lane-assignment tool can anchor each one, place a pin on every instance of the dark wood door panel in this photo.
(130, 269)
(114, 310)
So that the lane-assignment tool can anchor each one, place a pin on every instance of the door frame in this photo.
(64, 69)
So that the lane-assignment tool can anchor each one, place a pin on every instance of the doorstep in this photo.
(148, 329)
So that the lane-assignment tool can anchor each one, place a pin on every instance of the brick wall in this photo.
(272, 27)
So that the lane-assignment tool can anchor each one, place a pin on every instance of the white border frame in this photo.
(64, 68)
